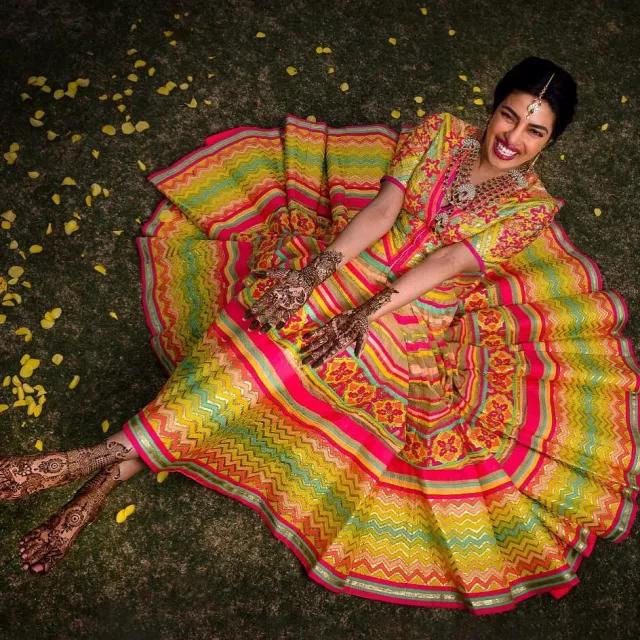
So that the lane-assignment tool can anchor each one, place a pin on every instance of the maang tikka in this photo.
(534, 106)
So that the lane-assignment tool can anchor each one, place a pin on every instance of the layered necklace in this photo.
(464, 194)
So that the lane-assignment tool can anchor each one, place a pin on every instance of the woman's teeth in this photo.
(504, 153)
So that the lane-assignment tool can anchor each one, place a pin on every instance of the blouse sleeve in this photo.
(411, 150)
(505, 238)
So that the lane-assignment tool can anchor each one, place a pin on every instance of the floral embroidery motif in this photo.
(389, 412)
(339, 370)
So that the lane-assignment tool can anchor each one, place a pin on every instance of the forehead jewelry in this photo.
(535, 105)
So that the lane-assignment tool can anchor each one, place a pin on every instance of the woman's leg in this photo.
(43, 547)
(21, 476)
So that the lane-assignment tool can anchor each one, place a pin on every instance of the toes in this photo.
(37, 568)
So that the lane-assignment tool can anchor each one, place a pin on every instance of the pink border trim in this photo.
(475, 254)
(395, 181)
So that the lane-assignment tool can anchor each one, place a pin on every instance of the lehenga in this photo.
(487, 434)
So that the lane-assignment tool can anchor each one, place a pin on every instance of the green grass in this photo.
(191, 563)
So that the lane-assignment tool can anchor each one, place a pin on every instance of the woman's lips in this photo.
(502, 151)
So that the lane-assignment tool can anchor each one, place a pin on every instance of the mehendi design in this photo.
(291, 291)
(48, 543)
(21, 476)
(343, 330)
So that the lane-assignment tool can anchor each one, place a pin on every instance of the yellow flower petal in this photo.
(476, 89)
(562, 156)
(45, 323)
(292, 71)
(331, 70)
(597, 212)
(261, 34)
(109, 129)
(56, 312)
(192, 104)
(344, 86)
(33, 174)
(395, 114)
(326, 50)
(38, 114)
(100, 269)
(129, 510)
(452, 32)
(142, 125)
(604, 127)
(132, 77)
(76, 137)
(166, 88)
(113, 314)
(424, 11)
(95, 153)
(105, 426)
(127, 128)
(3, 407)
(8, 215)
(49, 230)
(51, 135)
(23, 331)
(35, 248)
(55, 198)
(624, 99)
(312, 118)
(120, 516)
(71, 226)
(141, 165)
(74, 382)
(38, 445)
(151, 71)
(478, 101)
(87, 200)
(161, 476)
(16, 271)
(70, 182)
(392, 41)
(57, 358)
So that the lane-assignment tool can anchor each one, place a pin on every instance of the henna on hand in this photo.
(291, 290)
(341, 331)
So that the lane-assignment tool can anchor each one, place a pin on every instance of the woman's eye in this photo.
(507, 115)
(536, 133)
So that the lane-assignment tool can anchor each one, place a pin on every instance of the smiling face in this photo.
(511, 140)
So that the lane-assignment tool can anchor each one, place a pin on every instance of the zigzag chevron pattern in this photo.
(469, 458)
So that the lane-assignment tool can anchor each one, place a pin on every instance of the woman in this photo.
(430, 402)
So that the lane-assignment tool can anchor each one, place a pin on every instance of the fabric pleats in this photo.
(473, 453)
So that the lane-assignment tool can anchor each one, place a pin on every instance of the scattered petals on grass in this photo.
(419, 99)
(395, 114)
(392, 41)
(604, 127)
(192, 104)
(38, 445)
(292, 71)
(95, 153)
(35, 248)
(344, 86)
(624, 99)
(109, 130)
(463, 77)
(597, 212)
(452, 32)
(29, 365)
(141, 165)
(476, 89)
(161, 476)
(424, 11)
(74, 382)
(142, 125)
(120, 517)
(261, 34)
(129, 510)
(127, 128)
(420, 113)
(16, 271)
(100, 269)
(105, 426)
(113, 314)
(51, 135)
(49, 230)
(3, 407)
(132, 77)
(478, 101)
(331, 70)
(57, 358)
(55, 198)
(183, 86)
(69, 182)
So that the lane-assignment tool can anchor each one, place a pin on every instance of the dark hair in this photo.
(530, 76)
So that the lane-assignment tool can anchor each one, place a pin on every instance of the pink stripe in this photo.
(557, 227)
(156, 211)
(395, 181)
(475, 254)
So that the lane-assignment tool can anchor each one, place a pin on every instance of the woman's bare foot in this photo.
(21, 476)
(43, 547)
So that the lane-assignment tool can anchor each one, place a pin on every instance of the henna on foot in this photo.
(21, 476)
(43, 547)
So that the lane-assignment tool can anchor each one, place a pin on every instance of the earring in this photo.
(533, 162)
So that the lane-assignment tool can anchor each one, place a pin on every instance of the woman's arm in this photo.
(370, 224)
(433, 270)
(352, 326)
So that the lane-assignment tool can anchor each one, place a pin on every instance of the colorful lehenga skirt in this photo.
(473, 453)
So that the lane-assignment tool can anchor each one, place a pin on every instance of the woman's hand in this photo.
(343, 330)
(291, 290)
